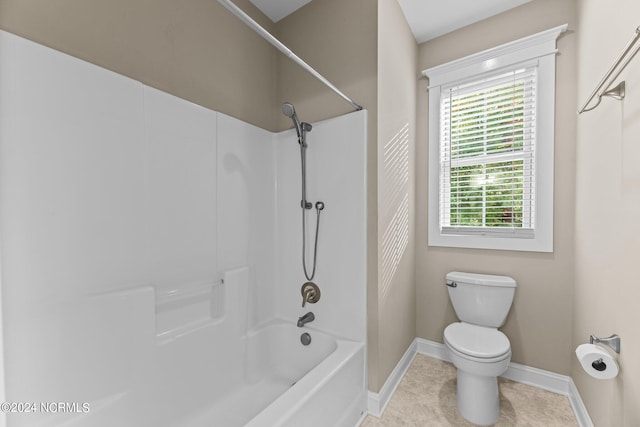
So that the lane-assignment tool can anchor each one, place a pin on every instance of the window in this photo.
(487, 149)
(491, 139)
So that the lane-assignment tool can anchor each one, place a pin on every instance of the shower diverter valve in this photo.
(310, 293)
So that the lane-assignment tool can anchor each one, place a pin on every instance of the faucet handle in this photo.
(310, 293)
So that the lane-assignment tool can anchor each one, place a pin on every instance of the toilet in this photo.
(478, 350)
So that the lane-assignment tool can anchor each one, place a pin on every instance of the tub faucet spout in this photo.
(309, 317)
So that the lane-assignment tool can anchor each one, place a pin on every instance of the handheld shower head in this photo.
(301, 128)
(289, 111)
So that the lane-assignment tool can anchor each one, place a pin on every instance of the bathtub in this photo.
(187, 364)
(217, 374)
(328, 387)
(288, 384)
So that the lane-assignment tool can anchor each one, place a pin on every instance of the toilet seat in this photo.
(475, 341)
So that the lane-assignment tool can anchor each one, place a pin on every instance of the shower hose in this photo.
(319, 207)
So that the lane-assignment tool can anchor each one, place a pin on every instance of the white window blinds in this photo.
(487, 155)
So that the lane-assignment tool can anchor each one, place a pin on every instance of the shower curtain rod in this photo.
(282, 48)
(618, 92)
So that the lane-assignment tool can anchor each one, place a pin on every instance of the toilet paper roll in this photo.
(597, 362)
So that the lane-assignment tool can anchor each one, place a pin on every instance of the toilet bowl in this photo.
(478, 350)
(480, 355)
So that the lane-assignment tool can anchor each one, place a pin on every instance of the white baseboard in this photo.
(556, 383)
(540, 378)
(377, 402)
(432, 349)
(582, 416)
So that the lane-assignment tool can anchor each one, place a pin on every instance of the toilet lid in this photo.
(476, 341)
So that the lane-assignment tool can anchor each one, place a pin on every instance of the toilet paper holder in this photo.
(613, 341)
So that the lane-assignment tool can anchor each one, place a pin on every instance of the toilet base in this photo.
(477, 398)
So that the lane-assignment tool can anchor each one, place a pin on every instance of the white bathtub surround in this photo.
(150, 256)
(336, 176)
(535, 377)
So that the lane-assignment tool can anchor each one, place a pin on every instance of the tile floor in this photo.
(426, 397)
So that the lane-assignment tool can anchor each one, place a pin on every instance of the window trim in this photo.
(540, 47)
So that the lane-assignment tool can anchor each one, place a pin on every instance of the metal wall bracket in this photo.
(613, 341)
(617, 92)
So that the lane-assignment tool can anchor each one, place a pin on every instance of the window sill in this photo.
(479, 241)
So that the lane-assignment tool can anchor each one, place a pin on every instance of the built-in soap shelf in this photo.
(183, 310)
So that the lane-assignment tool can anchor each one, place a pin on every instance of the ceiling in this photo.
(428, 19)
(278, 9)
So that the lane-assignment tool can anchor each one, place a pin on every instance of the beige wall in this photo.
(607, 212)
(180, 47)
(539, 324)
(338, 39)
(397, 87)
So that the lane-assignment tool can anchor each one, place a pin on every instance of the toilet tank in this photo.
(481, 299)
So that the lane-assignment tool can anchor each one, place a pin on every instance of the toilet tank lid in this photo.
(481, 279)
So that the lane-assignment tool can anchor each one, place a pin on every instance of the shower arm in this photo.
(282, 48)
